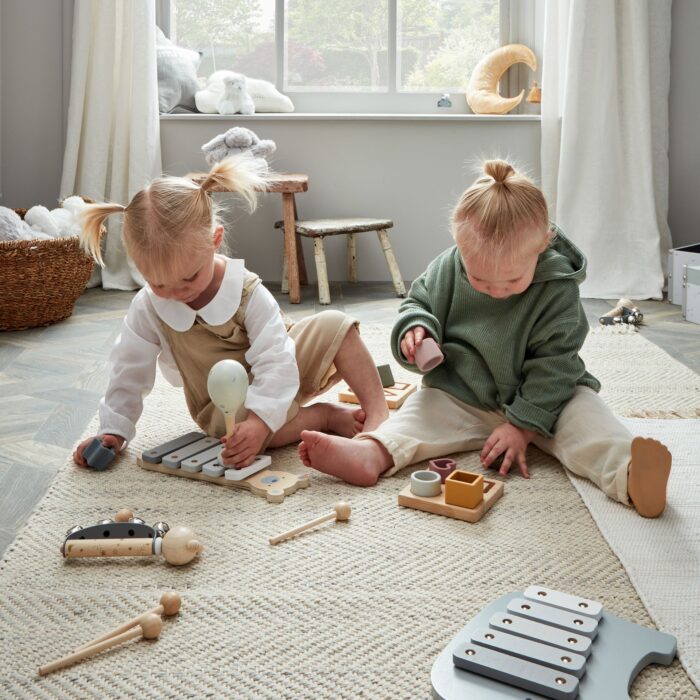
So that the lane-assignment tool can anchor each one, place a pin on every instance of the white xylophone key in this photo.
(537, 652)
(523, 674)
(553, 616)
(260, 462)
(529, 629)
(564, 601)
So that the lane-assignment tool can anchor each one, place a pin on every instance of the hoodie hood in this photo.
(562, 260)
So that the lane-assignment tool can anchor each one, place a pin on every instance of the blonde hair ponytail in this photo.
(501, 205)
(242, 173)
(92, 227)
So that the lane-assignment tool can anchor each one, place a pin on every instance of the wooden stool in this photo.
(319, 229)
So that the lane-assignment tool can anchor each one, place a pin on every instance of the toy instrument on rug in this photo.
(127, 536)
(196, 456)
(547, 644)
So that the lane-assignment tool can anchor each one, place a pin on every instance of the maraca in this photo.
(227, 385)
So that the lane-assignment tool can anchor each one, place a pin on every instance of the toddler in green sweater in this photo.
(504, 306)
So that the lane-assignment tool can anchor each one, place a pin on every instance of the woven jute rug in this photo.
(353, 610)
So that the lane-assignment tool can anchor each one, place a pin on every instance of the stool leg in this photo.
(303, 280)
(352, 258)
(285, 274)
(391, 262)
(290, 246)
(324, 295)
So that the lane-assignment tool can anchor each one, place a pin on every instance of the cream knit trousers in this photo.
(588, 438)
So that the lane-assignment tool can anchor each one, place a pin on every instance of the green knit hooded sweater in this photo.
(519, 354)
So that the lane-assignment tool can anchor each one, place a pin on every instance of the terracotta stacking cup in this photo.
(428, 355)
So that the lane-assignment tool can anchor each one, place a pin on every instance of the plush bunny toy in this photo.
(236, 140)
(235, 98)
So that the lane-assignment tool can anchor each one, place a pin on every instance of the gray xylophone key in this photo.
(553, 616)
(213, 469)
(196, 463)
(155, 454)
(529, 629)
(174, 459)
(564, 601)
(518, 672)
(529, 650)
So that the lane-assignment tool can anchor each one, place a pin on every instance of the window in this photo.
(347, 55)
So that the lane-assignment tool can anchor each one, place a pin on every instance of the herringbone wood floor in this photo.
(51, 379)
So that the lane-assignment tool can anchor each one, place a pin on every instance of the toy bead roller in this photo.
(227, 385)
(170, 604)
(149, 627)
(131, 537)
(341, 511)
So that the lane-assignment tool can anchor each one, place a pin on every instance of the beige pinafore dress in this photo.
(317, 339)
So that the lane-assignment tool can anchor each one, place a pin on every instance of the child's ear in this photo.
(549, 234)
(218, 236)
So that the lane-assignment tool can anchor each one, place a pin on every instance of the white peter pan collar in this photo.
(220, 309)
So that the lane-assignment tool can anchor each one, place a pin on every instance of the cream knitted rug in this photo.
(356, 610)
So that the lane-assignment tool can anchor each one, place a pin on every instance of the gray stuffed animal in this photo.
(237, 140)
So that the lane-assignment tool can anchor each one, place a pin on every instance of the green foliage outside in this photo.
(343, 43)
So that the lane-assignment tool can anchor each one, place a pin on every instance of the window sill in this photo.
(300, 116)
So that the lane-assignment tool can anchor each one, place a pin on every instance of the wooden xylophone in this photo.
(546, 644)
(196, 456)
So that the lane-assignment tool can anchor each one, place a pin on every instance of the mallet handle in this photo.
(158, 610)
(230, 421)
(136, 547)
(87, 652)
(301, 528)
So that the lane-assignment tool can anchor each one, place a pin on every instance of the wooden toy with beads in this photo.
(127, 536)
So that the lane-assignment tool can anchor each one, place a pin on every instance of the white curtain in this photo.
(113, 138)
(605, 85)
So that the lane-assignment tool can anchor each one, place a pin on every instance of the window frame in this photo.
(521, 21)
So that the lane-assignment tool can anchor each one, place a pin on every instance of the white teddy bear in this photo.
(235, 98)
(266, 98)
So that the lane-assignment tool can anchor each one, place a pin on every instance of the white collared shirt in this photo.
(141, 345)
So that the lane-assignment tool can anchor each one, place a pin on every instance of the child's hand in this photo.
(245, 443)
(115, 441)
(410, 341)
(511, 442)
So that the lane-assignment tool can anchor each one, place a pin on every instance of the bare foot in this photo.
(648, 475)
(344, 421)
(358, 462)
(374, 420)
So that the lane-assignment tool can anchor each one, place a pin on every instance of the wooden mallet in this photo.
(341, 511)
(170, 603)
(149, 627)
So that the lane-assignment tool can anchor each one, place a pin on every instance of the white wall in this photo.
(684, 109)
(32, 122)
(411, 171)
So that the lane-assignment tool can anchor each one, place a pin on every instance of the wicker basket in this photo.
(40, 280)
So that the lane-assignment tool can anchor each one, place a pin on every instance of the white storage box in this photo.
(679, 258)
(691, 295)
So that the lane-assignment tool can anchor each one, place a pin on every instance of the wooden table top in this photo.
(283, 182)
